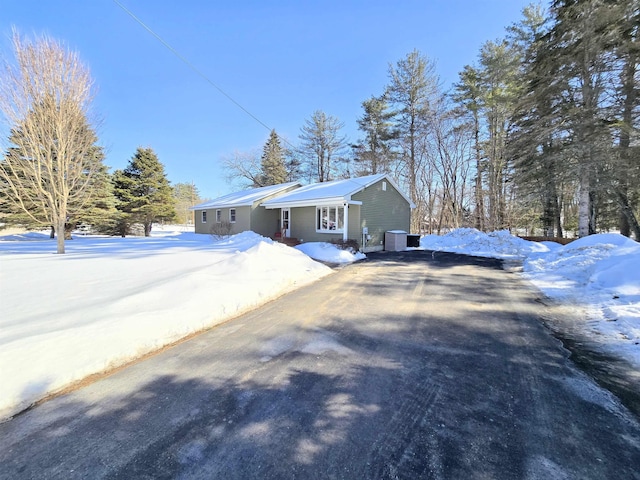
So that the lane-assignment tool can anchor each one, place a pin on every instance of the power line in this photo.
(190, 65)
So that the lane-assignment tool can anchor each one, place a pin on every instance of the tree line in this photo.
(539, 136)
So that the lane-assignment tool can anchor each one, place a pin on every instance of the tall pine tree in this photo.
(375, 153)
(272, 164)
(412, 88)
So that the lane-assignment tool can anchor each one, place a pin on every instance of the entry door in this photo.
(284, 221)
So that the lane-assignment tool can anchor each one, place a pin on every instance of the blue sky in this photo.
(281, 60)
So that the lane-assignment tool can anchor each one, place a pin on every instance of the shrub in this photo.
(221, 230)
(350, 245)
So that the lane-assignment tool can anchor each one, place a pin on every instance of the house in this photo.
(360, 209)
(242, 210)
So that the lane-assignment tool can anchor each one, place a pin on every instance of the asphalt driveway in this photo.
(408, 365)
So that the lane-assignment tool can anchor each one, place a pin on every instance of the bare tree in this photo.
(243, 167)
(45, 97)
(323, 145)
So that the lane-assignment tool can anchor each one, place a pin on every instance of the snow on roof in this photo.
(337, 190)
(245, 197)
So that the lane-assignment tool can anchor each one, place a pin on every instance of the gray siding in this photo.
(243, 218)
(204, 227)
(303, 225)
(259, 219)
(265, 222)
(382, 211)
(355, 231)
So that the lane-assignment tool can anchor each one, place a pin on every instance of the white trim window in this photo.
(232, 215)
(218, 216)
(330, 219)
(204, 216)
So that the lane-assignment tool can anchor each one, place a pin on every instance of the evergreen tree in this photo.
(500, 90)
(143, 192)
(536, 141)
(467, 92)
(272, 164)
(186, 196)
(626, 180)
(98, 210)
(413, 86)
(293, 166)
(374, 154)
(578, 41)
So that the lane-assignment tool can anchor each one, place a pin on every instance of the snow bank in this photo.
(330, 253)
(603, 272)
(600, 272)
(109, 300)
(474, 242)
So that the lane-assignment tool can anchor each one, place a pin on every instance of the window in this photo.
(218, 216)
(232, 215)
(330, 219)
(204, 216)
(384, 186)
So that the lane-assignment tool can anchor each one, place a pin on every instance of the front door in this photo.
(284, 221)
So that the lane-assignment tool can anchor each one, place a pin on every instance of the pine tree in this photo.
(272, 165)
(535, 143)
(186, 196)
(143, 191)
(578, 42)
(413, 86)
(467, 93)
(500, 90)
(375, 153)
(626, 179)
(98, 210)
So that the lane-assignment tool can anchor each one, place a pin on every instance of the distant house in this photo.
(360, 209)
(242, 210)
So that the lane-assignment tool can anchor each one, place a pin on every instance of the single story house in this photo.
(360, 209)
(242, 210)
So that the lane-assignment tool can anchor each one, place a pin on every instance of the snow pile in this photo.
(600, 272)
(330, 253)
(109, 300)
(470, 241)
(603, 272)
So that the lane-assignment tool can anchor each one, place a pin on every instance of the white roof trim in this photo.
(244, 198)
(320, 202)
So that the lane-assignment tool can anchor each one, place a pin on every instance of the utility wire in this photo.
(190, 65)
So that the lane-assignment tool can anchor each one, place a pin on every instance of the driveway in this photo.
(407, 365)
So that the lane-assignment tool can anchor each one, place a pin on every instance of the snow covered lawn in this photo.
(109, 300)
(600, 273)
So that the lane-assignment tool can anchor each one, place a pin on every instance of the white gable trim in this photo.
(319, 202)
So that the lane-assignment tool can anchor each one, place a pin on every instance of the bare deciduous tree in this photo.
(243, 167)
(45, 96)
(323, 145)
